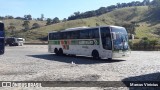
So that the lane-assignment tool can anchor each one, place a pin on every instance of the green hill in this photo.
(145, 27)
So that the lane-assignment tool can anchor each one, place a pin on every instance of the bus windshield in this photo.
(121, 41)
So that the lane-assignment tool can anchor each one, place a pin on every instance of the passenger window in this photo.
(75, 35)
(84, 34)
(95, 33)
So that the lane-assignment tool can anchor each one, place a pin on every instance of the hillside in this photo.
(146, 26)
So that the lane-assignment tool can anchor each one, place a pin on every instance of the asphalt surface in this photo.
(34, 63)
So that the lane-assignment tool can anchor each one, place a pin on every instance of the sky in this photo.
(52, 8)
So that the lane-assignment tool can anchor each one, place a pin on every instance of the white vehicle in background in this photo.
(20, 41)
(12, 41)
(105, 42)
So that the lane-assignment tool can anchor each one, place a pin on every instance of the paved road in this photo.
(34, 63)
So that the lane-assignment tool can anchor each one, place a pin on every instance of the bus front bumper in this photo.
(120, 54)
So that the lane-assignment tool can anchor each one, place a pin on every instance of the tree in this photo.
(12, 28)
(55, 20)
(130, 27)
(146, 2)
(102, 10)
(97, 24)
(72, 17)
(35, 25)
(49, 21)
(157, 31)
(64, 20)
(130, 44)
(123, 5)
(20, 18)
(1, 18)
(111, 8)
(9, 17)
(28, 17)
(77, 13)
(155, 9)
(145, 42)
(38, 19)
(154, 43)
(89, 14)
(26, 25)
(119, 5)
(42, 17)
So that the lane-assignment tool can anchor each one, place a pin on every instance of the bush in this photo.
(136, 46)
(144, 44)
(130, 44)
(35, 25)
(153, 43)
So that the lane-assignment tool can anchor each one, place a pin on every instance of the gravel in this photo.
(34, 63)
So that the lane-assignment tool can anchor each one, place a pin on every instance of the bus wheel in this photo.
(109, 59)
(56, 51)
(95, 54)
(17, 44)
(60, 51)
(1, 52)
(10, 44)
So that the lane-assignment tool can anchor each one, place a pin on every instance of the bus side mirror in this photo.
(114, 35)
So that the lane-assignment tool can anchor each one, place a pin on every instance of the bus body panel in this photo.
(120, 54)
(79, 50)
(86, 49)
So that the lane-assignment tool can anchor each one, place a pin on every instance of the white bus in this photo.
(104, 42)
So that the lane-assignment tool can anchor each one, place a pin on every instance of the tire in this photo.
(61, 51)
(1, 52)
(10, 44)
(95, 54)
(72, 55)
(16, 44)
(56, 51)
(109, 59)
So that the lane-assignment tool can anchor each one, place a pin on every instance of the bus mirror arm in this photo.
(114, 35)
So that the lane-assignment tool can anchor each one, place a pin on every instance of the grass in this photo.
(18, 23)
(124, 15)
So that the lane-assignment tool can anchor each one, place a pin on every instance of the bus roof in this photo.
(15, 37)
(84, 27)
(76, 28)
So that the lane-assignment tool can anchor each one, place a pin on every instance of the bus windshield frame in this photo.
(106, 38)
